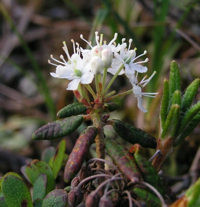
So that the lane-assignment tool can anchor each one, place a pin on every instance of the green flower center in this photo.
(77, 73)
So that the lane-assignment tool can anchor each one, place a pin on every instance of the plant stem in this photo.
(91, 91)
(113, 78)
(119, 95)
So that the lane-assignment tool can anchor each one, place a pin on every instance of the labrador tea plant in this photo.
(130, 180)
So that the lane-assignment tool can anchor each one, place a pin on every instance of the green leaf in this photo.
(80, 150)
(2, 201)
(189, 115)
(193, 194)
(58, 158)
(48, 153)
(187, 130)
(72, 109)
(189, 95)
(175, 79)
(55, 198)
(123, 159)
(15, 191)
(172, 121)
(149, 173)
(164, 103)
(133, 134)
(35, 168)
(39, 187)
(147, 196)
(37, 202)
(58, 129)
(176, 98)
(111, 106)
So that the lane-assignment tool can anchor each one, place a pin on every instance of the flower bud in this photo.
(96, 51)
(96, 65)
(107, 57)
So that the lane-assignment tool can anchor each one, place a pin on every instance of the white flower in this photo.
(96, 65)
(101, 49)
(127, 57)
(74, 70)
(137, 91)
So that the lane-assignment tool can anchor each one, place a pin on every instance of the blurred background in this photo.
(30, 31)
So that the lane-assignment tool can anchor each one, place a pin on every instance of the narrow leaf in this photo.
(164, 103)
(175, 79)
(133, 134)
(15, 191)
(187, 130)
(149, 173)
(189, 115)
(171, 121)
(58, 158)
(176, 98)
(147, 196)
(58, 129)
(189, 95)
(111, 106)
(56, 197)
(80, 150)
(72, 109)
(123, 159)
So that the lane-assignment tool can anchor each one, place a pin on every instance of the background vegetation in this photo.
(29, 97)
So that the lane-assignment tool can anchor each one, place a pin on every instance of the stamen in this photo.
(66, 50)
(101, 39)
(113, 40)
(123, 40)
(130, 41)
(78, 48)
(81, 36)
(144, 61)
(144, 53)
(97, 37)
(73, 42)
(52, 63)
(56, 60)
(61, 57)
(144, 83)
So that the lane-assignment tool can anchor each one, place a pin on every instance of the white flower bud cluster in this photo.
(85, 64)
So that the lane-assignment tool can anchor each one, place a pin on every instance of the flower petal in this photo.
(73, 85)
(87, 78)
(139, 68)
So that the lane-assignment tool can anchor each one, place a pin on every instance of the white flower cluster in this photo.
(85, 64)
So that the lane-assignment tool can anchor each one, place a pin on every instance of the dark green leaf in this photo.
(147, 196)
(72, 109)
(149, 173)
(111, 106)
(56, 198)
(133, 134)
(58, 129)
